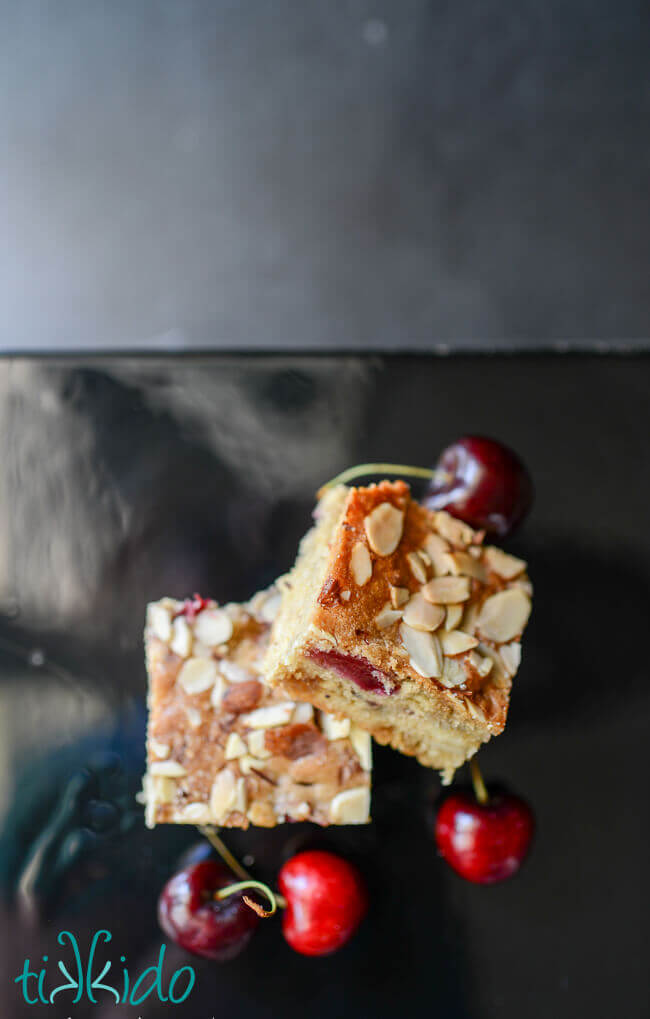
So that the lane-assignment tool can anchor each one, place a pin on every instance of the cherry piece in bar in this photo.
(326, 901)
(358, 671)
(482, 482)
(190, 915)
(484, 842)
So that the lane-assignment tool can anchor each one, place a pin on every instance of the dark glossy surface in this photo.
(343, 174)
(125, 480)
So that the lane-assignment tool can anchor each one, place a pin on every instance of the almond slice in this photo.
(362, 745)
(333, 727)
(257, 743)
(170, 769)
(454, 530)
(197, 675)
(262, 814)
(424, 651)
(446, 590)
(181, 642)
(454, 616)
(212, 627)
(361, 564)
(270, 716)
(235, 747)
(504, 615)
(345, 595)
(217, 692)
(384, 527)
(235, 673)
(160, 622)
(468, 566)
(398, 596)
(196, 813)
(247, 763)
(352, 806)
(482, 665)
(511, 657)
(504, 565)
(455, 642)
(422, 615)
(437, 550)
(161, 750)
(163, 789)
(387, 616)
(223, 795)
(418, 567)
(303, 713)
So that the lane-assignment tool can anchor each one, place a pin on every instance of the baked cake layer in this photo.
(223, 748)
(403, 620)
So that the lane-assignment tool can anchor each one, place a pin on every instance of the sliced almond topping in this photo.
(235, 747)
(523, 585)
(384, 527)
(241, 799)
(196, 813)
(418, 567)
(333, 727)
(437, 550)
(217, 692)
(163, 788)
(223, 794)
(466, 565)
(482, 665)
(362, 744)
(398, 596)
(424, 651)
(511, 657)
(197, 675)
(475, 712)
(170, 769)
(247, 763)
(456, 642)
(454, 616)
(161, 750)
(303, 713)
(160, 621)
(261, 813)
(422, 615)
(387, 616)
(181, 642)
(235, 673)
(256, 743)
(193, 717)
(504, 615)
(361, 564)
(270, 606)
(345, 595)
(454, 530)
(504, 565)
(453, 673)
(352, 806)
(321, 635)
(446, 590)
(213, 626)
(270, 716)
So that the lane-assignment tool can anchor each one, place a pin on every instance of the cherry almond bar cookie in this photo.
(399, 618)
(223, 748)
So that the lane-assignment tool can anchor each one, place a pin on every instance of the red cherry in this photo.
(358, 671)
(190, 915)
(486, 485)
(326, 901)
(484, 842)
(192, 606)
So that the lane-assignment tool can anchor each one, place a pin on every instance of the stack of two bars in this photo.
(396, 622)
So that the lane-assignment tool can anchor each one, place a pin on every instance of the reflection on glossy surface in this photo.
(125, 480)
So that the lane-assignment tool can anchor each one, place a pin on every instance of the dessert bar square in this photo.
(223, 748)
(400, 619)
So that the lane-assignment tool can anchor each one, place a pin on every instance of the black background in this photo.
(345, 174)
(128, 479)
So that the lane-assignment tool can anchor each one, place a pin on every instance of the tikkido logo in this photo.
(82, 981)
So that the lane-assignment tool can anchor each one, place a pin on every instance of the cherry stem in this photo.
(360, 470)
(480, 790)
(246, 879)
(240, 886)
(225, 854)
